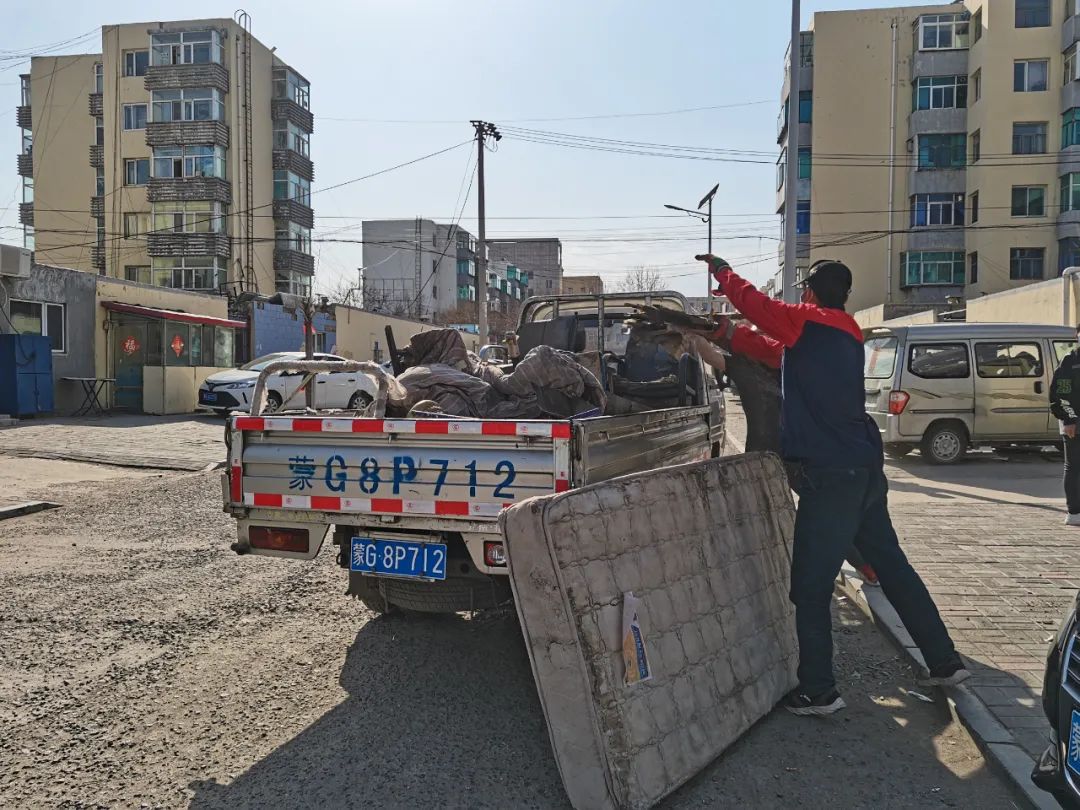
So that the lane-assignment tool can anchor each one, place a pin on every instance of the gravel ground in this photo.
(143, 664)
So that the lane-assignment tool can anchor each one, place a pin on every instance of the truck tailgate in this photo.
(445, 467)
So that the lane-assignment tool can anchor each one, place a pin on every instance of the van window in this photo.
(880, 358)
(940, 361)
(1008, 360)
(1062, 348)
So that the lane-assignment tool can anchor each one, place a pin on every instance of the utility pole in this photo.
(791, 174)
(483, 130)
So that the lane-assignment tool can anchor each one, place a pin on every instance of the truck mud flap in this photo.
(704, 551)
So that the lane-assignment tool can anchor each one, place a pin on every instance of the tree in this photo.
(642, 279)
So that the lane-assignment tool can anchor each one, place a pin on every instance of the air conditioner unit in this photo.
(15, 261)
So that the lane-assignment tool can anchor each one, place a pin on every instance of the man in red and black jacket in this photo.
(834, 450)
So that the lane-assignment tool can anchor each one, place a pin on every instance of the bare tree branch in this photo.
(642, 279)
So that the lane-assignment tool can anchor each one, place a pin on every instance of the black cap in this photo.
(828, 274)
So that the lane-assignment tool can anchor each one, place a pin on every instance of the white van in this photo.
(949, 386)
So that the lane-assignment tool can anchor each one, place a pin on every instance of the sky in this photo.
(395, 80)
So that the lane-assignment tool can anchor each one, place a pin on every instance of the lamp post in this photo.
(705, 217)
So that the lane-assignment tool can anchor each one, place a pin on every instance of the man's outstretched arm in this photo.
(784, 322)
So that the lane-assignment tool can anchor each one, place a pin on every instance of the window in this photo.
(289, 186)
(288, 135)
(1070, 127)
(47, 320)
(1026, 263)
(291, 236)
(940, 32)
(802, 217)
(136, 171)
(185, 48)
(940, 361)
(1029, 139)
(973, 268)
(99, 182)
(1070, 192)
(932, 267)
(289, 85)
(136, 224)
(134, 116)
(99, 77)
(974, 207)
(976, 81)
(189, 104)
(976, 145)
(940, 92)
(942, 151)
(1030, 75)
(937, 209)
(1032, 13)
(1029, 201)
(296, 283)
(99, 130)
(136, 62)
(100, 231)
(781, 170)
(189, 217)
(189, 161)
(189, 272)
(1068, 253)
(1072, 63)
(976, 26)
(1062, 348)
(138, 273)
(880, 358)
(1070, 8)
(1008, 360)
(805, 161)
(806, 106)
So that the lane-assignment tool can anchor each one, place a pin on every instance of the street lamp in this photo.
(705, 217)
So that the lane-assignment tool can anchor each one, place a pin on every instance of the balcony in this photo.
(175, 77)
(95, 104)
(294, 162)
(97, 156)
(26, 214)
(180, 133)
(287, 260)
(293, 211)
(97, 257)
(284, 109)
(97, 206)
(168, 244)
(25, 164)
(23, 118)
(179, 189)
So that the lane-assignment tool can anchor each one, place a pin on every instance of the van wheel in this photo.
(898, 450)
(945, 443)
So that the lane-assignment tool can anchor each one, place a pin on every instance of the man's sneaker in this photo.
(1072, 520)
(829, 703)
(949, 674)
(869, 575)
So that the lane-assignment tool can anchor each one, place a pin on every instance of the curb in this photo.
(994, 740)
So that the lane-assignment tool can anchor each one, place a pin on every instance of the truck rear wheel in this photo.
(453, 595)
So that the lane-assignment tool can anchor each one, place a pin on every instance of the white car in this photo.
(231, 390)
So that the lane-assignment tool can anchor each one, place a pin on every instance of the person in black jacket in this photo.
(1065, 405)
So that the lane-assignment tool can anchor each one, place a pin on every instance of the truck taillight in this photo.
(494, 554)
(271, 539)
(898, 400)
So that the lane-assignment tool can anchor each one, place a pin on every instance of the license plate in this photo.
(1073, 757)
(398, 558)
(209, 397)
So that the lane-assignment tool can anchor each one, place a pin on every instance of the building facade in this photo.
(582, 285)
(541, 257)
(940, 159)
(178, 156)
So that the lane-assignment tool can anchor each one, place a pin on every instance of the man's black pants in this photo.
(839, 507)
(1072, 473)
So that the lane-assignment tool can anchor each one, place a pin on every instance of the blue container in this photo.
(26, 380)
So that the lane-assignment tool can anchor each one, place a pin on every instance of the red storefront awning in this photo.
(170, 315)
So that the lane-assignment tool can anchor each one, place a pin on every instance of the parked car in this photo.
(950, 386)
(1058, 769)
(231, 390)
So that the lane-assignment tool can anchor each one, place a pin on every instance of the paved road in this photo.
(145, 664)
(987, 535)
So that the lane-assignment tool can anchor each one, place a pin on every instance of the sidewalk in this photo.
(988, 538)
(156, 442)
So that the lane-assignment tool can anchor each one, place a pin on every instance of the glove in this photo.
(716, 264)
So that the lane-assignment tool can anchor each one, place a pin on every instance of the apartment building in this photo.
(582, 285)
(939, 147)
(542, 257)
(179, 155)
